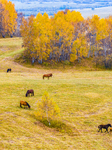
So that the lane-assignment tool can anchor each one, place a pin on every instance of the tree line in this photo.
(66, 36)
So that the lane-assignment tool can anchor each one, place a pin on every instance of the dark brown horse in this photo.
(9, 69)
(24, 103)
(104, 127)
(22, 45)
(47, 75)
(31, 91)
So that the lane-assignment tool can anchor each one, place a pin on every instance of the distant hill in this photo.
(102, 8)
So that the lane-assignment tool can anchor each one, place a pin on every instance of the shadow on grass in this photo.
(24, 108)
(58, 126)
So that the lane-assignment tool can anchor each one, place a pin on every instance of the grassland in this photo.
(84, 98)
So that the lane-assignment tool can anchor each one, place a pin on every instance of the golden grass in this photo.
(84, 98)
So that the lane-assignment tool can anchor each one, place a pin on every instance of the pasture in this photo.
(84, 99)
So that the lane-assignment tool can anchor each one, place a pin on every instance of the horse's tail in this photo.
(28, 105)
(33, 93)
(43, 76)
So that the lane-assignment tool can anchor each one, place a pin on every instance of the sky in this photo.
(102, 8)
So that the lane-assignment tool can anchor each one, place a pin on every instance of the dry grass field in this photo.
(84, 99)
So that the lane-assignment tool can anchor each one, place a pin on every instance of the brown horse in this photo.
(24, 103)
(47, 75)
(31, 91)
(104, 127)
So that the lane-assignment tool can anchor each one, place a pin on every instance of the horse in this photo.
(31, 91)
(24, 103)
(22, 45)
(9, 69)
(104, 127)
(47, 75)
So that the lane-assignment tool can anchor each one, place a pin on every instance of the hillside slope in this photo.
(84, 99)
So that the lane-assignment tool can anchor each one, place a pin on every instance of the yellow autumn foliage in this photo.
(65, 36)
(47, 109)
(8, 18)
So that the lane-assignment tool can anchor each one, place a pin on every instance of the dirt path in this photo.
(8, 62)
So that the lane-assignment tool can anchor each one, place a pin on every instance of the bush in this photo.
(59, 126)
(66, 62)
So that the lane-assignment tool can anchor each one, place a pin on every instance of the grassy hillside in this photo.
(84, 98)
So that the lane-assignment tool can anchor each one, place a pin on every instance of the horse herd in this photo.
(24, 103)
(45, 75)
(31, 92)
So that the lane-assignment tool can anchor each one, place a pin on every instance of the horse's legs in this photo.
(26, 94)
(101, 129)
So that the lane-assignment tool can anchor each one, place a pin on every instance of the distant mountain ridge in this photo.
(29, 7)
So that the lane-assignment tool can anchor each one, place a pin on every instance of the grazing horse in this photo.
(9, 69)
(22, 45)
(24, 103)
(31, 91)
(47, 75)
(104, 127)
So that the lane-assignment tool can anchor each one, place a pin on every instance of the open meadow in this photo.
(84, 99)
